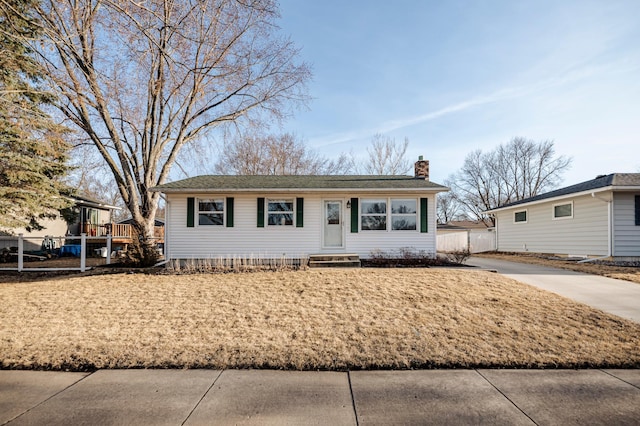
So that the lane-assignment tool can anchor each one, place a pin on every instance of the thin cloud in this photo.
(578, 73)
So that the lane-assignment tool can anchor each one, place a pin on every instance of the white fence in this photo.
(74, 246)
(476, 242)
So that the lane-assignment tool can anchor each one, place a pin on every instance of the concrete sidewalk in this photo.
(618, 297)
(266, 397)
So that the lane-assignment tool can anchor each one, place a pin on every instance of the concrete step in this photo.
(334, 260)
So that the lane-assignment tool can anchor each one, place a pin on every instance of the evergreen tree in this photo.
(33, 150)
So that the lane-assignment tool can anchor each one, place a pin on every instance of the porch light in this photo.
(348, 204)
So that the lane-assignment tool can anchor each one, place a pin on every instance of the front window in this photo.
(403, 215)
(280, 212)
(211, 212)
(373, 215)
(563, 211)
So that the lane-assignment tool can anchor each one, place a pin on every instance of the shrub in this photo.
(458, 256)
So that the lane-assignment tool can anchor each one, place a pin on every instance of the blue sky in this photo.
(454, 76)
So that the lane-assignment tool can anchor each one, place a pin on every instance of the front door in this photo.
(333, 224)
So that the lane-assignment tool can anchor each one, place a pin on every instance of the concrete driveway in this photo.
(618, 297)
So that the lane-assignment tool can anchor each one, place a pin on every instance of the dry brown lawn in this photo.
(314, 319)
(627, 273)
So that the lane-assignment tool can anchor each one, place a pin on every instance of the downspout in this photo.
(166, 233)
(609, 228)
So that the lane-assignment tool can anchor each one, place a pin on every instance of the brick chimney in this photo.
(422, 168)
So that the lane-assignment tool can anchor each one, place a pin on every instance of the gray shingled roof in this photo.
(330, 183)
(614, 180)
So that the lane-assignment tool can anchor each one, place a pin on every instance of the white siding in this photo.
(626, 233)
(246, 239)
(586, 233)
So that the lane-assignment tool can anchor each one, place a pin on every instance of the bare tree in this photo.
(519, 169)
(143, 79)
(387, 157)
(276, 155)
(448, 207)
(91, 178)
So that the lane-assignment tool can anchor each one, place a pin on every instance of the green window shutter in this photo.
(354, 215)
(260, 212)
(299, 212)
(424, 223)
(191, 207)
(637, 210)
(229, 212)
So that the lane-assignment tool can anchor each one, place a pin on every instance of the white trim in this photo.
(557, 198)
(223, 212)
(343, 216)
(279, 200)
(553, 211)
(526, 216)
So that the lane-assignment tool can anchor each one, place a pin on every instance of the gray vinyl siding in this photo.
(586, 233)
(626, 233)
(246, 239)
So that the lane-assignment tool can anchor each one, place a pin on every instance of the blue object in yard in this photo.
(70, 250)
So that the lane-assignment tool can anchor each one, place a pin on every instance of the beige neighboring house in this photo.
(92, 217)
(596, 218)
(298, 216)
(475, 235)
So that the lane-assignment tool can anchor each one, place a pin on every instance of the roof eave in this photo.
(296, 190)
(559, 197)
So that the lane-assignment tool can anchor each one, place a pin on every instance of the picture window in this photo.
(375, 214)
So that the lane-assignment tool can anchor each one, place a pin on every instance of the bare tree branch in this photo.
(514, 171)
(144, 79)
(387, 157)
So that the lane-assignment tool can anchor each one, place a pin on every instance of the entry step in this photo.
(334, 260)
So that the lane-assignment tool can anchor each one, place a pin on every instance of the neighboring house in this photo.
(89, 216)
(596, 218)
(475, 235)
(296, 216)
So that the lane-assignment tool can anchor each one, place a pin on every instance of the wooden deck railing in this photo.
(118, 230)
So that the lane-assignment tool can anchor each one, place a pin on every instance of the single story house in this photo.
(596, 218)
(298, 216)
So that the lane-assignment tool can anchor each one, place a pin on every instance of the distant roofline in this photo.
(602, 183)
(93, 203)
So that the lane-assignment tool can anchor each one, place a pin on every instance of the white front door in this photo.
(333, 229)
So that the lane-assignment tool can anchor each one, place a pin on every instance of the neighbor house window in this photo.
(520, 217)
(373, 215)
(403, 215)
(563, 211)
(280, 212)
(211, 212)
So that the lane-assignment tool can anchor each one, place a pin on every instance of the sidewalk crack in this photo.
(202, 398)
(506, 397)
(353, 399)
(47, 399)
